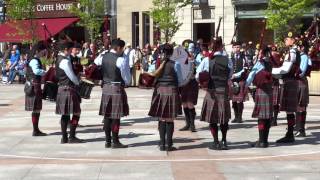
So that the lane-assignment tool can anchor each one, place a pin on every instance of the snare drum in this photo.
(50, 91)
(86, 88)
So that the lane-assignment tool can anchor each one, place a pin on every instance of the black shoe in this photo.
(75, 140)
(215, 146)
(171, 148)
(224, 145)
(274, 122)
(185, 128)
(64, 140)
(259, 144)
(118, 145)
(108, 145)
(240, 120)
(300, 133)
(193, 128)
(162, 147)
(38, 133)
(288, 138)
(235, 120)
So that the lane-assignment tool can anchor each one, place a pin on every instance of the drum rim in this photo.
(87, 81)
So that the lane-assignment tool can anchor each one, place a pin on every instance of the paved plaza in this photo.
(44, 158)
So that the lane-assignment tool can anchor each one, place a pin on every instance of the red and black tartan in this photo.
(68, 101)
(114, 102)
(34, 103)
(289, 95)
(303, 94)
(275, 92)
(263, 108)
(242, 96)
(189, 93)
(216, 107)
(165, 103)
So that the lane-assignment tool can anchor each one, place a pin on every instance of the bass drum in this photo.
(85, 88)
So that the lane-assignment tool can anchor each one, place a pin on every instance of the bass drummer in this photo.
(189, 91)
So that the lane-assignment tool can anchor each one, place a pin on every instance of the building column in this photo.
(140, 29)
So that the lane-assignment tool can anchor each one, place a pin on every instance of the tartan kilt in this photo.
(68, 101)
(216, 107)
(263, 107)
(289, 95)
(241, 97)
(34, 103)
(189, 93)
(165, 103)
(303, 94)
(114, 102)
(275, 92)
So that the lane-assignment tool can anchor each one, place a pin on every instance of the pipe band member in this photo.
(166, 104)
(289, 94)
(116, 75)
(33, 101)
(216, 105)
(68, 98)
(261, 77)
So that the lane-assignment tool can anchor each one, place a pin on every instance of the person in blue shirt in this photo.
(303, 90)
(261, 77)
(166, 103)
(14, 60)
(33, 102)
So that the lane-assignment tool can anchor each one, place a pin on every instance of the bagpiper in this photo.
(68, 97)
(261, 77)
(189, 92)
(216, 104)
(303, 89)
(33, 98)
(289, 94)
(166, 102)
(116, 75)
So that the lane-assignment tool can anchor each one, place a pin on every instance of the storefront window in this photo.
(135, 29)
(146, 28)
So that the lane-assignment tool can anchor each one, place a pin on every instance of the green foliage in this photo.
(164, 15)
(91, 13)
(22, 10)
(284, 16)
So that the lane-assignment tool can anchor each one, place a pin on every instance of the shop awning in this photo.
(20, 31)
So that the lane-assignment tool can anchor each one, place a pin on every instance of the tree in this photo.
(91, 13)
(22, 10)
(164, 15)
(285, 16)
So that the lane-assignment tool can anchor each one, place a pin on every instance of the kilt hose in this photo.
(189, 93)
(114, 102)
(263, 108)
(303, 94)
(275, 92)
(242, 96)
(289, 95)
(34, 103)
(216, 107)
(165, 103)
(68, 101)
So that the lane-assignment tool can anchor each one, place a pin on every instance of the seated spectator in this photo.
(14, 59)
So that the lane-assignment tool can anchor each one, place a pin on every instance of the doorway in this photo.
(203, 31)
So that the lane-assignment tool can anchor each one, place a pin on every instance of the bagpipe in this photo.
(204, 76)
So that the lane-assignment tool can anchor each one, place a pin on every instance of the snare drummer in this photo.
(68, 98)
(114, 104)
(189, 92)
(34, 102)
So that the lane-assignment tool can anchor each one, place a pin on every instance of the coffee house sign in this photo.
(53, 8)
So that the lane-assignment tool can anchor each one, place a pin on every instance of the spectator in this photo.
(6, 56)
(20, 68)
(14, 59)
(92, 53)
(84, 52)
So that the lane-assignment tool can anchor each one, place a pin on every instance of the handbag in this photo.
(29, 89)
